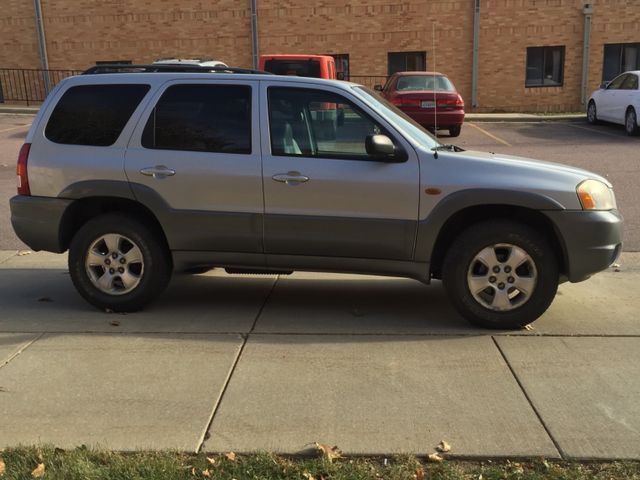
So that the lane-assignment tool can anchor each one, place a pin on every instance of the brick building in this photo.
(529, 52)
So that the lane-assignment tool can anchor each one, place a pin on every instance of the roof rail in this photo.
(166, 67)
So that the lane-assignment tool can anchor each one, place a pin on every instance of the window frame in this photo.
(153, 103)
(545, 50)
(423, 54)
(621, 56)
(384, 130)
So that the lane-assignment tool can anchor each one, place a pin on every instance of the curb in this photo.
(481, 117)
(19, 110)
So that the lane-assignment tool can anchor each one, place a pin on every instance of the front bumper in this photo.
(592, 240)
(37, 220)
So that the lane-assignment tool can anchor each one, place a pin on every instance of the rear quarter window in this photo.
(94, 114)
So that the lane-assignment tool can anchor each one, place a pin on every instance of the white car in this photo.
(617, 101)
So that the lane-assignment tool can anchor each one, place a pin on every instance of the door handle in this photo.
(158, 172)
(291, 178)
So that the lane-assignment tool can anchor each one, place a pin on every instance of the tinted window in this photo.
(315, 123)
(406, 61)
(93, 114)
(301, 68)
(201, 118)
(631, 83)
(545, 66)
(620, 57)
(425, 82)
(617, 83)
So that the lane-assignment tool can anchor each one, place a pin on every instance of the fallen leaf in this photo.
(443, 447)
(3, 467)
(211, 460)
(328, 451)
(38, 471)
(419, 475)
(615, 265)
(528, 327)
(231, 456)
(435, 458)
(308, 476)
(206, 473)
(193, 471)
(114, 323)
(22, 253)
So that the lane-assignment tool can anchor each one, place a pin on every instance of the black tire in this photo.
(592, 113)
(152, 279)
(631, 122)
(455, 131)
(458, 262)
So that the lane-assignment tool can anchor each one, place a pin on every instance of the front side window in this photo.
(618, 58)
(201, 118)
(545, 66)
(617, 82)
(315, 123)
(299, 68)
(94, 115)
(342, 64)
(407, 62)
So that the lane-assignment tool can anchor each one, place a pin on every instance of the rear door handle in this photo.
(291, 178)
(158, 172)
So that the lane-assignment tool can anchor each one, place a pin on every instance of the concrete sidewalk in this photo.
(374, 365)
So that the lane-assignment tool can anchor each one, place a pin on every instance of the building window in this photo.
(342, 64)
(618, 58)
(545, 66)
(407, 61)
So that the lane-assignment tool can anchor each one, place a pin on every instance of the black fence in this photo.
(19, 85)
(369, 80)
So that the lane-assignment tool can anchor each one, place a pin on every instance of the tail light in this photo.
(21, 170)
(451, 103)
(406, 102)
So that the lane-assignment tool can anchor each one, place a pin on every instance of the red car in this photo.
(428, 97)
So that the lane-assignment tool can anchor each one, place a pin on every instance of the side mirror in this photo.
(604, 85)
(340, 75)
(377, 88)
(381, 147)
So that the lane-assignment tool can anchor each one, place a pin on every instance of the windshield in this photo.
(409, 126)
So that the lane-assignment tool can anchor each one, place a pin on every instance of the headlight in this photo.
(595, 195)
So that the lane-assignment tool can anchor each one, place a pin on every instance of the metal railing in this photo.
(369, 80)
(29, 85)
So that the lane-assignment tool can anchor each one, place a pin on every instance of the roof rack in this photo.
(166, 67)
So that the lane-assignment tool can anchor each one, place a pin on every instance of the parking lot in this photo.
(374, 365)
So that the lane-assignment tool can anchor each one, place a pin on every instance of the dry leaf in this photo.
(38, 471)
(443, 447)
(419, 475)
(206, 473)
(22, 253)
(3, 467)
(328, 451)
(231, 456)
(193, 471)
(435, 458)
(211, 460)
(114, 323)
(308, 476)
(528, 327)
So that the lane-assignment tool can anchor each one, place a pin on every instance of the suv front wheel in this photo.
(118, 263)
(500, 274)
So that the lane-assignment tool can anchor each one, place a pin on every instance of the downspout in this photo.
(476, 49)
(587, 10)
(42, 44)
(254, 33)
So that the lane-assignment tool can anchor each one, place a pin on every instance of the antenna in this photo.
(435, 103)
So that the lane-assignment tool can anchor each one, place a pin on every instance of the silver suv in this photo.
(139, 174)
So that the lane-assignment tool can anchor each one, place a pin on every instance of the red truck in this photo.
(316, 66)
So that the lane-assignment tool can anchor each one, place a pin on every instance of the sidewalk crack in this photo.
(526, 395)
(20, 350)
(232, 369)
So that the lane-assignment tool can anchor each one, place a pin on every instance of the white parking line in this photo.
(595, 130)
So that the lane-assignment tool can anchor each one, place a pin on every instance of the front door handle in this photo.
(158, 172)
(291, 178)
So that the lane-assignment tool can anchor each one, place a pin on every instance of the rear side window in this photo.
(301, 68)
(93, 114)
(201, 118)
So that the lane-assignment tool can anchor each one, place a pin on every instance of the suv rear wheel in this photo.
(500, 274)
(117, 263)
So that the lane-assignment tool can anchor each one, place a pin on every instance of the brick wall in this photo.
(81, 32)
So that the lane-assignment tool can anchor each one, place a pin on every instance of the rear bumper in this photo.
(427, 117)
(592, 240)
(36, 221)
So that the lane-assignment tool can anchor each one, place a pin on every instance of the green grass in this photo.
(88, 464)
